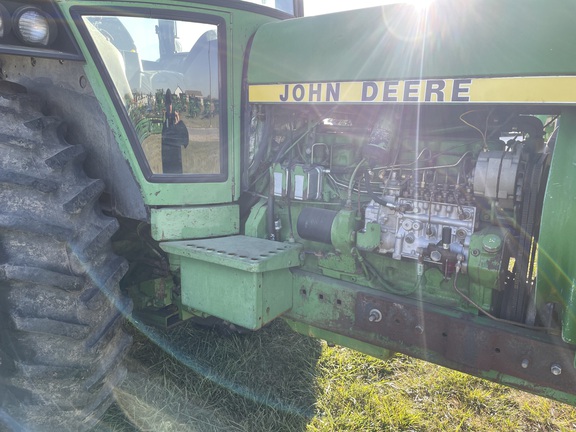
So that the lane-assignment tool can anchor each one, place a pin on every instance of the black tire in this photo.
(61, 335)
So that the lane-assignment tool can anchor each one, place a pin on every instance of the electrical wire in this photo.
(289, 202)
(551, 137)
(407, 165)
(482, 133)
(552, 120)
(342, 185)
(444, 166)
(373, 196)
(351, 184)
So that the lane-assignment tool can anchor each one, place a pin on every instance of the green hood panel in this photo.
(474, 38)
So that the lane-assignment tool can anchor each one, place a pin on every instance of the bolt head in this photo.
(556, 369)
(375, 316)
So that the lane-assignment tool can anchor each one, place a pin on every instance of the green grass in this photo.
(275, 380)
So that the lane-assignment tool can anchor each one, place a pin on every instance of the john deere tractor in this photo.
(394, 179)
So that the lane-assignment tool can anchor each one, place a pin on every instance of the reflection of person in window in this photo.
(174, 137)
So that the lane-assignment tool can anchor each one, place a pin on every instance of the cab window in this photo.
(167, 75)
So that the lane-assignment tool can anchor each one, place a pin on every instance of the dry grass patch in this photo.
(274, 380)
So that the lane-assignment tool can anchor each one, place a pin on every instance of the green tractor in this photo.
(394, 179)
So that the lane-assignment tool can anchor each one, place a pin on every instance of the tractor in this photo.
(390, 179)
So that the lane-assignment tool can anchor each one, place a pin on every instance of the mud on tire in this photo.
(61, 338)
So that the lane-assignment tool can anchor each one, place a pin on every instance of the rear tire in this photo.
(61, 336)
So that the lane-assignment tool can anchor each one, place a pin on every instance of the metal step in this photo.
(240, 279)
(240, 252)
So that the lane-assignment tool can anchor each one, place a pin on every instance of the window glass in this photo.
(167, 74)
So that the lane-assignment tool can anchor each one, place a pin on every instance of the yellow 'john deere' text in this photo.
(551, 89)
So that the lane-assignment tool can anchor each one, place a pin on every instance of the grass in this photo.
(275, 380)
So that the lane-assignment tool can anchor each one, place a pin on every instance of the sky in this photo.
(316, 7)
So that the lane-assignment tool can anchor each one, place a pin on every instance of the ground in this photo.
(275, 380)
(202, 154)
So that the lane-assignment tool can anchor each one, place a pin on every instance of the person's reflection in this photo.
(174, 137)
